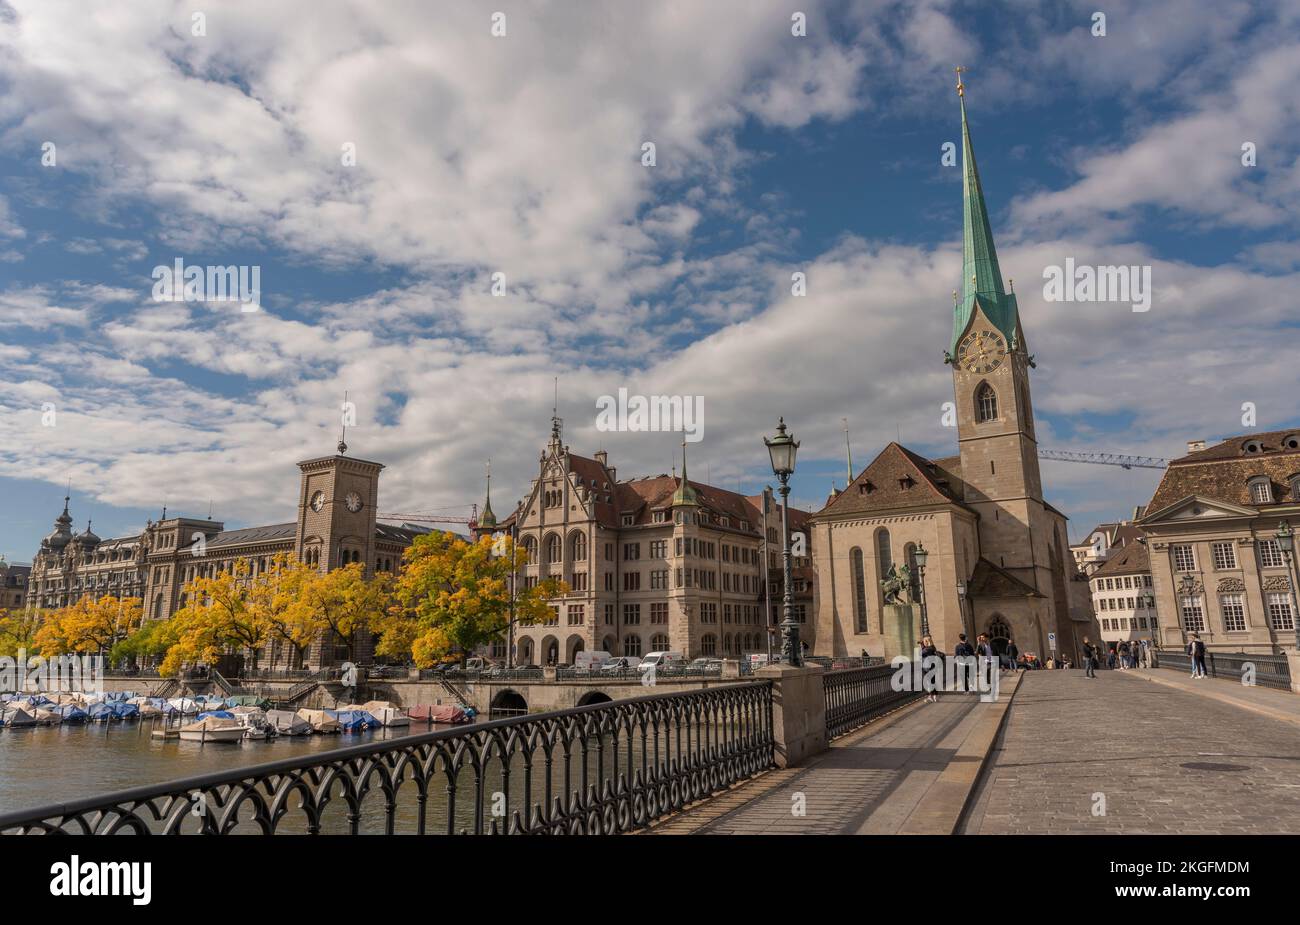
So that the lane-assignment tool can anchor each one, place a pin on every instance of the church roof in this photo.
(898, 478)
(981, 282)
(989, 580)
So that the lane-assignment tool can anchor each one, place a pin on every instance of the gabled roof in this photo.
(898, 479)
(1132, 559)
(989, 580)
(250, 535)
(1224, 472)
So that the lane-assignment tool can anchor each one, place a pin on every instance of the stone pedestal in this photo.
(730, 668)
(798, 712)
(901, 630)
(1293, 663)
(549, 673)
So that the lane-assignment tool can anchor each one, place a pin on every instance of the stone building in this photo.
(1123, 594)
(1103, 541)
(1215, 564)
(13, 585)
(338, 500)
(653, 563)
(999, 561)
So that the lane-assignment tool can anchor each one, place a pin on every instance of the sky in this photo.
(386, 167)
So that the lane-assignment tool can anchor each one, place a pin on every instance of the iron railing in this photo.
(599, 769)
(1270, 670)
(855, 696)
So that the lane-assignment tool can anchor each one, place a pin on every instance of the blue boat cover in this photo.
(354, 720)
(71, 713)
(221, 714)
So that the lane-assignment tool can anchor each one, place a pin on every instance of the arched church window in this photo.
(859, 590)
(998, 629)
(554, 550)
(530, 547)
(884, 559)
(986, 403)
(579, 547)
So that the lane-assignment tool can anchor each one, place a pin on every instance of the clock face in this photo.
(981, 351)
(353, 501)
(318, 501)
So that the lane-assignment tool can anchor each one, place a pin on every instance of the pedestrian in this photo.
(1110, 656)
(1011, 652)
(964, 651)
(1196, 649)
(1123, 656)
(1089, 659)
(928, 651)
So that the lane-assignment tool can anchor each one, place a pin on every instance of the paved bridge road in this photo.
(1169, 756)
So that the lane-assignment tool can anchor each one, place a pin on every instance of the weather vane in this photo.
(961, 88)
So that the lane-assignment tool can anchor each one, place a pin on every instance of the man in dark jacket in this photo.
(1011, 654)
(1196, 649)
(1089, 659)
(965, 650)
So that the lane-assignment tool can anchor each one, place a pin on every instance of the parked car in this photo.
(591, 661)
(622, 663)
(662, 660)
(705, 664)
(479, 664)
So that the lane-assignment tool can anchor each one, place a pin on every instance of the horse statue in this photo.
(896, 583)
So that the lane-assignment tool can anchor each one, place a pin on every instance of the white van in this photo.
(591, 661)
(660, 660)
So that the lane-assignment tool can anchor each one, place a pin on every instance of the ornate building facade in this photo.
(338, 500)
(1214, 557)
(998, 558)
(654, 563)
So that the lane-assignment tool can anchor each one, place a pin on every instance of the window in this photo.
(554, 618)
(883, 558)
(629, 520)
(1225, 557)
(631, 614)
(659, 517)
(1270, 554)
(579, 547)
(1193, 613)
(530, 547)
(609, 615)
(1184, 560)
(986, 404)
(632, 645)
(708, 613)
(659, 643)
(659, 580)
(1234, 612)
(577, 614)
(631, 581)
(1279, 611)
(1295, 488)
(859, 590)
(659, 549)
(631, 551)
(659, 614)
(578, 581)
(709, 644)
(1261, 491)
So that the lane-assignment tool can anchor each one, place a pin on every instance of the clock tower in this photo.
(995, 424)
(338, 497)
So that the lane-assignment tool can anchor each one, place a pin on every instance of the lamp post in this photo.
(782, 449)
(920, 555)
(1149, 600)
(1286, 542)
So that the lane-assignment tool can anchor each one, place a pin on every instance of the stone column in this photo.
(798, 712)
(1293, 665)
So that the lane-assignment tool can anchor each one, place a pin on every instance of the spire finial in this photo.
(488, 519)
(848, 452)
(961, 87)
(343, 433)
(557, 424)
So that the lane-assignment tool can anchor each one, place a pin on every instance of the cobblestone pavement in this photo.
(1165, 761)
(867, 783)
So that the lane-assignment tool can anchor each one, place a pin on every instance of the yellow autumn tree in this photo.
(18, 630)
(455, 595)
(89, 626)
(276, 598)
(344, 601)
(220, 616)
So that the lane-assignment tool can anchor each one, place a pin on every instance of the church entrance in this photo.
(999, 633)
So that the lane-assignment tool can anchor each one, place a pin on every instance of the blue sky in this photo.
(521, 155)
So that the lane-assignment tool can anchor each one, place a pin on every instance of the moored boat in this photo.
(321, 720)
(213, 729)
(288, 723)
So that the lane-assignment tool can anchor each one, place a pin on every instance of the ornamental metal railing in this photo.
(600, 769)
(855, 696)
(1269, 670)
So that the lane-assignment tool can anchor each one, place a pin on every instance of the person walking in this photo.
(1196, 649)
(1012, 653)
(1089, 659)
(1123, 656)
(964, 650)
(928, 651)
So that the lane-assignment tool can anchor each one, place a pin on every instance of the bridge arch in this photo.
(507, 703)
(594, 697)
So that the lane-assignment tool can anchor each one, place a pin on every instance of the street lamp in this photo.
(782, 449)
(1149, 600)
(920, 555)
(1286, 542)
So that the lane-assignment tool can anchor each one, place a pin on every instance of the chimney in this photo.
(1195, 446)
(602, 457)
(1139, 511)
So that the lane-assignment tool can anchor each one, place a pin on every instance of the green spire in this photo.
(981, 277)
(685, 493)
(488, 519)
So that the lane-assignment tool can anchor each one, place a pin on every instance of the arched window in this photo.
(859, 590)
(884, 559)
(554, 550)
(1261, 490)
(530, 547)
(579, 547)
(998, 628)
(632, 645)
(709, 644)
(986, 403)
(659, 643)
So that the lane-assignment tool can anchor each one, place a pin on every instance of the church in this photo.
(997, 558)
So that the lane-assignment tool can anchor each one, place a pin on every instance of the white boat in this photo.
(46, 717)
(288, 723)
(320, 721)
(388, 713)
(213, 729)
(17, 718)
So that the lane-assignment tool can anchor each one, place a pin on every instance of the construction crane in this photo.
(1106, 459)
(426, 517)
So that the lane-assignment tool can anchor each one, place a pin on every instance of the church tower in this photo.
(337, 500)
(991, 363)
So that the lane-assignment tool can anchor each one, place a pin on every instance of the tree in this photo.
(152, 640)
(18, 630)
(344, 601)
(89, 626)
(227, 600)
(456, 595)
(276, 598)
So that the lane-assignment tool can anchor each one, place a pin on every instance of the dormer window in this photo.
(866, 488)
(1294, 481)
(906, 482)
(629, 520)
(1251, 447)
(1261, 490)
(1291, 442)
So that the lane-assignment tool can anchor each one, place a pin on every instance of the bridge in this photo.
(790, 750)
